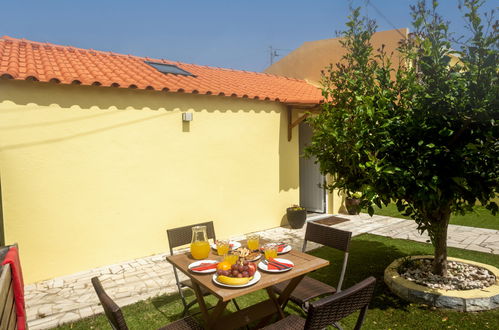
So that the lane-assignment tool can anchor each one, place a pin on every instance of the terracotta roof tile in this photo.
(29, 60)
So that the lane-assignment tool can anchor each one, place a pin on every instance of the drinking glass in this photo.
(231, 258)
(270, 251)
(253, 241)
(222, 247)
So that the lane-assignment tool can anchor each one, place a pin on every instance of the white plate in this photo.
(197, 263)
(265, 267)
(255, 259)
(235, 245)
(286, 249)
(255, 279)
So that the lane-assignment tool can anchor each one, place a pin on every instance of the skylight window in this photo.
(168, 68)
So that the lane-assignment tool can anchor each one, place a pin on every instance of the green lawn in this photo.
(369, 255)
(480, 217)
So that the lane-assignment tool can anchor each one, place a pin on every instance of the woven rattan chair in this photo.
(182, 236)
(117, 321)
(331, 309)
(310, 288)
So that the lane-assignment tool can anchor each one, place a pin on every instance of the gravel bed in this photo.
(460, 276)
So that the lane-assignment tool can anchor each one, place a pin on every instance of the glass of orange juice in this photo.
(200, 249)
(270, 251)
(222, 247)
(253, 241)
(231, 258)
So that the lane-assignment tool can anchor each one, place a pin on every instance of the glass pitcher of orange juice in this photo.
(200, 248)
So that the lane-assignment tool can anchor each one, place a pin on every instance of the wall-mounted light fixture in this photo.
(187, 116)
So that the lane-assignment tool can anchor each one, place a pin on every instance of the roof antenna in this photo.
(274, 53)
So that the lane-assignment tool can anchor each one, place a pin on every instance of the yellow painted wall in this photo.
(92, 176)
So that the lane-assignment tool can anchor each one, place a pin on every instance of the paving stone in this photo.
(478, 248)
(86, 312)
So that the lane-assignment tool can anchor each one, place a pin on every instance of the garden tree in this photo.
(424, 135)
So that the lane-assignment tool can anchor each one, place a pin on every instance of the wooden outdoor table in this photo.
(304, 263)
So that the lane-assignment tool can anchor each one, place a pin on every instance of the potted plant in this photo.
(352, 203)
(297, 216)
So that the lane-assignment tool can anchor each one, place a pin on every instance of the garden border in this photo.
(462, 300)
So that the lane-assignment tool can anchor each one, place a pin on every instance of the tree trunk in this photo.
(439, 240)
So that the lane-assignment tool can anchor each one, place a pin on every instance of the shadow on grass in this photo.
(163, 302)
(367, 258)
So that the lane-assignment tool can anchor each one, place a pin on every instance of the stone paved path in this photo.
(69, 298)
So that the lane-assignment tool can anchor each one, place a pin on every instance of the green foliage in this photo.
(420, 132)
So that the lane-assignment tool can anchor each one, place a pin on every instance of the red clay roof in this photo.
(28, 60)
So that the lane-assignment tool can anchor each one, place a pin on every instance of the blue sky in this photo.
(233, 34)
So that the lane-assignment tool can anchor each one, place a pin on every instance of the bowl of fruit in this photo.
(242, 273)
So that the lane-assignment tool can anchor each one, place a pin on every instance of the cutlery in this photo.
(284, 264)
(276, 265)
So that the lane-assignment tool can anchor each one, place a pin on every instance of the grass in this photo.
(369, 256)
(479, 218)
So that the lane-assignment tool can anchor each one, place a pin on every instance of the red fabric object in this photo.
(280, 247)
(12, 258)
(274, 264)
(204, 266)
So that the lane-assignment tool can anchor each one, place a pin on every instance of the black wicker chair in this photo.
(331, 309)
(310, 288)
(117, 321)
(182, 236)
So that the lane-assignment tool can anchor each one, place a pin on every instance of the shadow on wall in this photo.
(289, 176)
(109, 98)
(104, 99)
(87, 97)
(343, 208)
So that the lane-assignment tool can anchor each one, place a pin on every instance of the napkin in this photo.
(205, 266)
(272, 266)
(281, 247)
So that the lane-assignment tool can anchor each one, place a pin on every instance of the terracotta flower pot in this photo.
(296, 218)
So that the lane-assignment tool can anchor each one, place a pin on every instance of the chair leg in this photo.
(337, 326)
(235, 304)
(187, 306)
(362, 316)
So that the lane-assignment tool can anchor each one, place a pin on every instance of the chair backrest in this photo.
(8, 318)
(327, 235)
(9, 315)
(183, 235)
(331, 309)
(113, 312)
